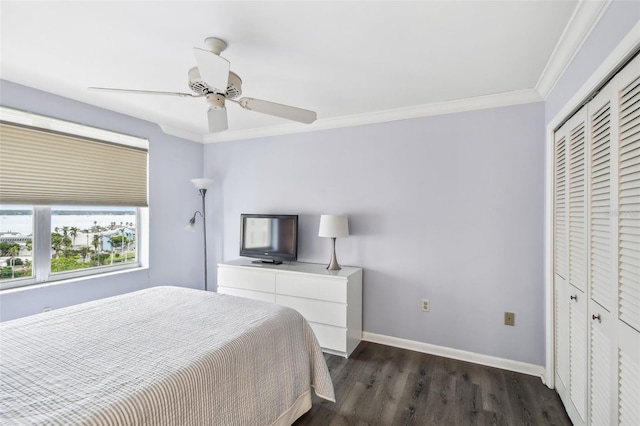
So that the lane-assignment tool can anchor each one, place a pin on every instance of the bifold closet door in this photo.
(570, 264)
(629, 194)
(602, 155)
(629, 244)
(577, 130)
(597, 224)
(561, 260)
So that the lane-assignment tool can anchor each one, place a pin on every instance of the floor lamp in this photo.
(201, 185)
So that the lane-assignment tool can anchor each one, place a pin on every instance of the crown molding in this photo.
(470, 104)
(584, 19)
(181, 133)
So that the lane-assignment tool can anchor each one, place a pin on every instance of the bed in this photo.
(161, 356)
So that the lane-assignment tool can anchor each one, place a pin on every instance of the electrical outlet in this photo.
(46, 309)
(425, 305)
(509, 318)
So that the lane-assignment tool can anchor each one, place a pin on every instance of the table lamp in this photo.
(333, 226)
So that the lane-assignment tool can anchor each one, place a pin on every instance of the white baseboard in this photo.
(427, 348)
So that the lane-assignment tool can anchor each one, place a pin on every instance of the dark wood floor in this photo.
(382, 385)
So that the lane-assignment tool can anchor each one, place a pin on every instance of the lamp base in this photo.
(333, 264)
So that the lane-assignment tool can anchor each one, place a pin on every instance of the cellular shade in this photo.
(44, 167)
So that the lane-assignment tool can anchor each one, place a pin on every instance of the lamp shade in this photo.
(202, 183)
(334, 226)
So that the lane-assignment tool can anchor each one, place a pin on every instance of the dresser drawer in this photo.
(247, 278)
(315, 310)
(249, 294)
(321, 288)
(334, 338)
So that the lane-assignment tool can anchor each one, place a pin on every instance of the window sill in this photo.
(62, 281)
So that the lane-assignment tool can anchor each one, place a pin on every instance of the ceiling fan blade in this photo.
(217, 120)
(214, 69)
(285, 111)
(145, 92)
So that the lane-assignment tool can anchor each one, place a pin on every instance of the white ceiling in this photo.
(345, 59)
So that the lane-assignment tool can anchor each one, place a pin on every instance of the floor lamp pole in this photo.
(203, 192)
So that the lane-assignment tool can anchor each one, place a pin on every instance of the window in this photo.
(81, 241)
(71, 199)
(16, 242)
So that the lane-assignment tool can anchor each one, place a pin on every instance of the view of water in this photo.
(23, 223)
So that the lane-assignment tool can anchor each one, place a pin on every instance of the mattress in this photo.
(164, 355)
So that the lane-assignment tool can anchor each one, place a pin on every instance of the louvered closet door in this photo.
(561, 259)
(602, 224)
(629, 245)
(629, 195)
(602, 199)
(577, 142)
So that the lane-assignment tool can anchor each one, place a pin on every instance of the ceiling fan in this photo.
(213, 80)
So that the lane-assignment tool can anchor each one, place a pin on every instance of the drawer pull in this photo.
(574, 297)
(596, 317)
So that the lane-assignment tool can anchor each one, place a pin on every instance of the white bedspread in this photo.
(161, 356)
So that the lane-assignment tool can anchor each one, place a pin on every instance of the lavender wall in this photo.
(619, 18)
(175, 256)
(448, 208)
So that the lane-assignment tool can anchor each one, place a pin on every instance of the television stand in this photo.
(270, 262)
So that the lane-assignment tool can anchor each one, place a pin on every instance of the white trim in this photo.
(427, 348)
(549, 312)
(181, 133)
(471, 104)
(627, 45)
(41, 254)
(584, 19)
(85, 278)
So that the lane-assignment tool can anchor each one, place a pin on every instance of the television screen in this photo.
(273, 238)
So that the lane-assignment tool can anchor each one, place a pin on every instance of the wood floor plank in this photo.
(495, 399)
(468, 402)
(411, 407)
(390, 392)
(440, 404)
(523, 405)
(383, 385)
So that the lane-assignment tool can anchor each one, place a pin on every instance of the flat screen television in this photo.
(270, 237)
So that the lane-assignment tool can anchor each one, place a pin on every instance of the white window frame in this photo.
(41, 253)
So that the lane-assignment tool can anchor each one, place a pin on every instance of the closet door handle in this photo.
(596, 317)
(574, 297)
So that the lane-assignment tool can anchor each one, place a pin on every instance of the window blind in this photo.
(44, 167)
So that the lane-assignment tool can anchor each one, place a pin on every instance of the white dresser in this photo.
(331, 301)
